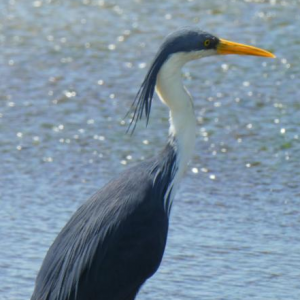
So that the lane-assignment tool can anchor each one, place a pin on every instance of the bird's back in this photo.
(115, 241)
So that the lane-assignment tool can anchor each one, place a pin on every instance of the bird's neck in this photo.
(172, 93)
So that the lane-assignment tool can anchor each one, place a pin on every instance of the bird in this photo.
(115, 241)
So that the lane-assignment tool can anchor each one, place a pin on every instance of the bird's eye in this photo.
(206, 43)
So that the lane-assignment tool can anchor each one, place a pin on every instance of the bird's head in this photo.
(197, 44)
(188, 44)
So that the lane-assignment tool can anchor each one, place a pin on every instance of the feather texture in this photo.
(115, 241)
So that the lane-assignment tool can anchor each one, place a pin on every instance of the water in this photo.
(69, 72)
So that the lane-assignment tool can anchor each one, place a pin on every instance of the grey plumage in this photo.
(118, 224)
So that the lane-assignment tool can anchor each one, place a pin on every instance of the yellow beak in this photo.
(227, 47)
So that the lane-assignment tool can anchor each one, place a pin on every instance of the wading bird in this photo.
(116, 240)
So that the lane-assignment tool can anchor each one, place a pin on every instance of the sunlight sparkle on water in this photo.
(212, 177)
(111, 47)
(195, 170)
(70, 94)
(282, 131)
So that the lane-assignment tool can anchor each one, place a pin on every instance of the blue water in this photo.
(69, 72)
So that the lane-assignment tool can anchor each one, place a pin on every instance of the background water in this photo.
(69, 72)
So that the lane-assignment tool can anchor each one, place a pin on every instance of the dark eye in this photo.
(206, 43)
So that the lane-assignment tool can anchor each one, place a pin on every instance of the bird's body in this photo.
(116, 240)
(97, 268)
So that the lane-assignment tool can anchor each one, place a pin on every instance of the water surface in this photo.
(69, 72)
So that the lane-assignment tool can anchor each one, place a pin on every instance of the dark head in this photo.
(190, 44)
(188, 41)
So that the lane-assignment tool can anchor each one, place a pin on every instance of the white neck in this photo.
(172, 93)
